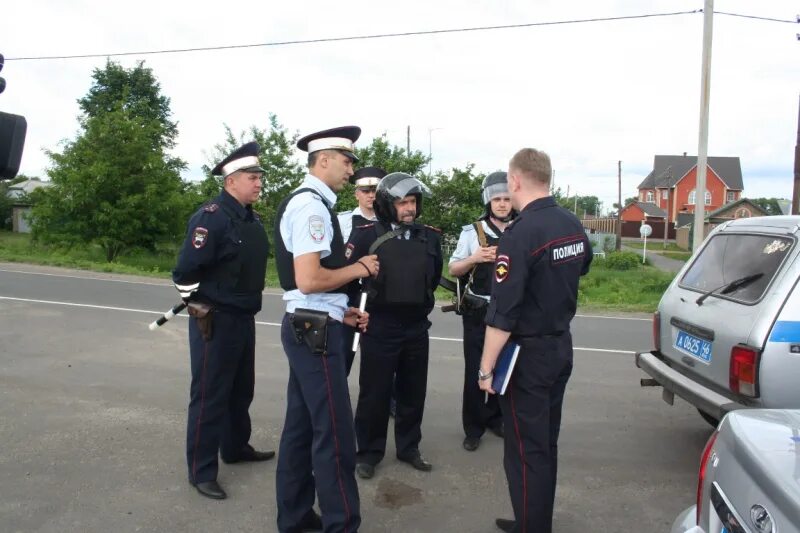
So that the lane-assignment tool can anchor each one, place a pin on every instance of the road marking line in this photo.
(274, 324)
(91, 278)
(85, 277)
(168, 284)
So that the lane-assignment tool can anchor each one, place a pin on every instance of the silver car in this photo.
(749, 477)
(727, 329)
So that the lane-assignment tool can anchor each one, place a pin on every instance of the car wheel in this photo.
(708, 418)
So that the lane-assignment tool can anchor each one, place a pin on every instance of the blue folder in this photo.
(504, 367)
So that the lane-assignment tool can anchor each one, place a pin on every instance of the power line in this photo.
(755, 17)
(400, 34)
(360, 37)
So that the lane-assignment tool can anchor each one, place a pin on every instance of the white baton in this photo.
(362, 306)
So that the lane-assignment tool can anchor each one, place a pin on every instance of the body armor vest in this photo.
(284, 260)
(245, 272)
(403, 278)
(484, 272)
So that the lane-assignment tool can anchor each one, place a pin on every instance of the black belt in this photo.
(330, 320)
(523, 338)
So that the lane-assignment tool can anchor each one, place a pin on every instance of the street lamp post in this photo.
(430, 151)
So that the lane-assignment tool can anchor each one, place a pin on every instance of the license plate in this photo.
(693, 346)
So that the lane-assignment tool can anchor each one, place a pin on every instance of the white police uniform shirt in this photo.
(346, 221)
(468, 243)
(300, 231)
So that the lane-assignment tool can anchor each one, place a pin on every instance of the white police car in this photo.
(727, 329)
(748, 477)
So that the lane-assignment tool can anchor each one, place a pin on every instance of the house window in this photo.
(708, 198)
(665, 194)
(731, 196)
(692, 197)
(649, 197)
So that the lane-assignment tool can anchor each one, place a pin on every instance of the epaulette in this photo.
(210, 208)
(365, 226)
(437, 230)
(344, 213)
(468, 227)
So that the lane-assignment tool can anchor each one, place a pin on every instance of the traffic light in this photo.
(12, 137)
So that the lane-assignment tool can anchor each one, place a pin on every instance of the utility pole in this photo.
(619, 206)
(408, 140)
(702, 148)
(796, 192)
(576, 204)
(430, 151)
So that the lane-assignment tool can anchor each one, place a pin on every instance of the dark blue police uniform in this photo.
(395, 345)
(223, 259)
(540, 258)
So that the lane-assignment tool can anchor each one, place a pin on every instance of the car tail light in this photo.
(744, 371)
(657, 331)
(701, 477)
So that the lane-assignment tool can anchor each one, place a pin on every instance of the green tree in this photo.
(135, 90)
(455, 200)
(112, 187)
(626, 202)
(283, 172)
(770, 205)
(391, 158)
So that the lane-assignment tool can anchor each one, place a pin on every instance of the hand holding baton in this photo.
(166, 316)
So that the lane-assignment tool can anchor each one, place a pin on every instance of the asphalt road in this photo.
(92, 424)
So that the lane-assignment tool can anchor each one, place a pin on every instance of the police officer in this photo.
(366, 181)
(540, 258)
(472, 262)
(220, 273)
(396, 343)
(317, 450)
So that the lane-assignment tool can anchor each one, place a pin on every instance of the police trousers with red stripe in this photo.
(531, 410)
(223, 374)
(317, 451)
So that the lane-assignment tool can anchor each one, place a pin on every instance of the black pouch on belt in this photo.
(311, 327)
(204, 314)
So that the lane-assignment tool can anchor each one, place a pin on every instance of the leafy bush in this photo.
(622, 260)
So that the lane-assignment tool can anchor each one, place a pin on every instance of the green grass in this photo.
(632, 290)
(636, 290)
(679, 256)
(654, 246)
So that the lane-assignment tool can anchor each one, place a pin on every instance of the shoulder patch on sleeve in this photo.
(502, 266)
(211, 208)
(437, 230)
(199, 237)
(316, 228)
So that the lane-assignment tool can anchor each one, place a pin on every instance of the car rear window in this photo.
(732, 256)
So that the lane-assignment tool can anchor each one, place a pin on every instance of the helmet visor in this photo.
(493, 190)
(406, 186)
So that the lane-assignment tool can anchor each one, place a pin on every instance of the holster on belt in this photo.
(311, 327)
(204, 314)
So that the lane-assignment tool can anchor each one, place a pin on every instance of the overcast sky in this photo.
(589, 94)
